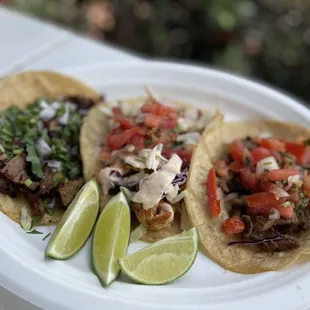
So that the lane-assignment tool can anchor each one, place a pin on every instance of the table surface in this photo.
(50, 48)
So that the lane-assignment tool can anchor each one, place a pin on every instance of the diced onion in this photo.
(268, 163)
(274, 214)
(42, 147)
(293, 180)
(63, 119)
(219, 194)
(189, 138)
(231, 196)
(53, 163)
(279, 192)
(47, 113)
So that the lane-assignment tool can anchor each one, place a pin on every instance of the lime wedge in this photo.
(163, 261)
(76, 224)
(111, 238)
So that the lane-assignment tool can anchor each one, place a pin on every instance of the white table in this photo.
(29, 44)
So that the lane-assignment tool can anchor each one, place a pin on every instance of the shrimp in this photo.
(155, 218)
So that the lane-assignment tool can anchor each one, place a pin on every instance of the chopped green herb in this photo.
(28, 182)
(35, 221)
(34, 159)
(17, 151)
(301, 205)
(148, 142)
(61, 111)
(34, 232)
(286, 204)
(246, 161)
(46, 236)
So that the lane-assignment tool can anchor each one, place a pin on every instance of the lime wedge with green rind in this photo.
(111, 237)
(163, 261)
(76, 224)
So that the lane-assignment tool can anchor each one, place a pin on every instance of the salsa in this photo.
(265, 183)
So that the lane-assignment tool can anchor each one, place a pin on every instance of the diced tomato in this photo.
(248, 178)
(117, 111)
(138, 141)
(273, 144)
(168, 123)
(286, 212)
(185, 155)
(105, 155)
(148, 108)
(117, 141)
(152, 121)
(300, 140)
(235, 166)
(171, 114)
(221, 168)
(139, 130)
(282, 174)
(236, 149)
(277, 156)
(262, 203)
(214, 204)
(260, 153)
(300, 151)
(307, 184)
(233, 225)
(239, 152)
(125, 122)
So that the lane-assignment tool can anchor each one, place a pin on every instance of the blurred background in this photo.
(267, 40)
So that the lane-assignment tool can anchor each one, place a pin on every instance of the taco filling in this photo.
(39, 153)
(148, 151)
(265, 184)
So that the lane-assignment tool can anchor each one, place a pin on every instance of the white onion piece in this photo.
(274, 214)
(63, 119)
(230, 196)
(268, 163)
(292, 180)
(47, 112)
(279, 192)
(53, 163)
(42, 147)
(219, 194)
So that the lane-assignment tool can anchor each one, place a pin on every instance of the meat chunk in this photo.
(15, 169)
(36, 205)
(287, 243)
(7, 187)
(81, 102)
(46, 184)
(235, 185)
(69, 190)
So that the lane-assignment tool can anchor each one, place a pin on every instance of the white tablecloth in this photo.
(28, 44)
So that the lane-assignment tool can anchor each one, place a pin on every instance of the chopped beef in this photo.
(238, 206)
(260, 228)
(81, 102)
(249, 144)
(46, 183)
(287, 243)
(36, 205)
(7, 186)
(248, 226)
(15, 169)
(52, 124)
(69, 190)
(235, 185)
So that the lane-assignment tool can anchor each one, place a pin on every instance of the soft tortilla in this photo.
(240, 259)
(23, 89)
(94, 130)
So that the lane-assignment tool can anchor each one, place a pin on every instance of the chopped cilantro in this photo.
(148, 142)
(34, 232)
(28, 182)
(34, 159)
(247, 161)
(35, 221)
(46, 236)
(302, 204)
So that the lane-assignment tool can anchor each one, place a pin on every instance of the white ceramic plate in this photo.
(70, 284)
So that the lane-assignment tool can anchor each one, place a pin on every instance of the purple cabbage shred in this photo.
(180, 179)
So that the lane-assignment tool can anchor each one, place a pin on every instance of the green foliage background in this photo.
(265, 39)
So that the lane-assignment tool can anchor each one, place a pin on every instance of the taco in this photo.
(248, 194)
(40, 166)
(145, 147)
